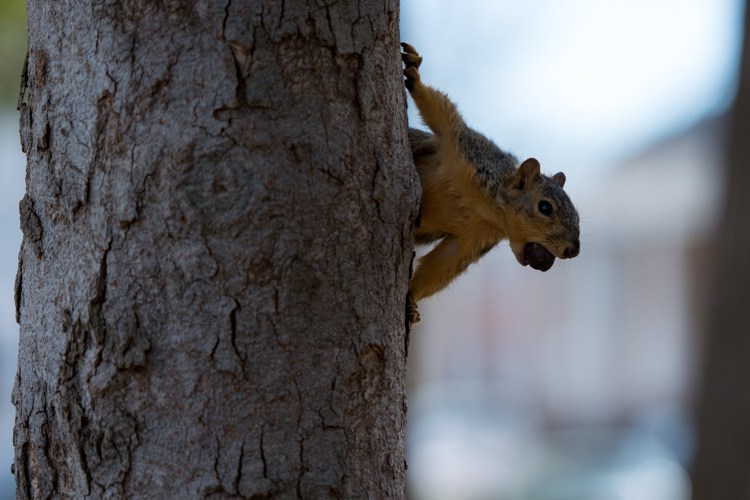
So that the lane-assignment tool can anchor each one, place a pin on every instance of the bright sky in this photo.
(579, 83)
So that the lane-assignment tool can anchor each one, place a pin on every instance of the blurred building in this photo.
(576, 383)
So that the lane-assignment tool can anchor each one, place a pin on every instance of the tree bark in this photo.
(218, 227)
(722, 465)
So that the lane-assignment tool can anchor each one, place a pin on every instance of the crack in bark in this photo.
(238, 476)
(225, 19)
(300, 437)
(222, 359)
(68, 394)
(242, 56)
(80, 447)
(376, 191)
(263, 453)
(233, 332)
(24, 85)
(18, 285)
(31, 225)
(96, 305)
(26, 478)
(240, 70)
(217, 458)
(46, 451)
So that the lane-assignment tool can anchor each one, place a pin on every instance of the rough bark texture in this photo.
(722, 465)
(217, 236)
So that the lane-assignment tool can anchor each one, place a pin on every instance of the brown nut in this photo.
(538, 257)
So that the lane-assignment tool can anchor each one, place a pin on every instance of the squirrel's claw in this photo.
(410, 56)
(411, 60)
(412, 76)
(412, 314)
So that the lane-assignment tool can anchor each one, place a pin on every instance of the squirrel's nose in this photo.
(572, 250)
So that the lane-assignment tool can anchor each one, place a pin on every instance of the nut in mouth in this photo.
(536, 256)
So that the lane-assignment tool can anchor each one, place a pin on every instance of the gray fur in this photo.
(492, 165)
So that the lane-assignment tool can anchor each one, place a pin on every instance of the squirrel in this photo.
(475, 195)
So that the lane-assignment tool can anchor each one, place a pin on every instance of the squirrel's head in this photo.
(543, 223)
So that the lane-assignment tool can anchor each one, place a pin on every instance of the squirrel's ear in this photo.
(559, 179)
(525, 173)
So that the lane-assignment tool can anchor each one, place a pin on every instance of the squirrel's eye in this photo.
(545, 208)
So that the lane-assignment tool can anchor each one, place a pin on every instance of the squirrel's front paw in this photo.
(410, 56)
(412, 60)
(412, 76)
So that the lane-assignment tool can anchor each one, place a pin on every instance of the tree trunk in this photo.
(722, 465)
(217, 237)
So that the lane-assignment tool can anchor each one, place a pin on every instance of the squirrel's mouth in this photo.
(536, 256)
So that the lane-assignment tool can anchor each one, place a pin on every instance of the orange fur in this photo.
(474, 195)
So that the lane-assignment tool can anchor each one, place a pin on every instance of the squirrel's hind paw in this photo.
(412, 314)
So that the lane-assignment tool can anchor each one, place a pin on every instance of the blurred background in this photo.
(578, 383)
(12, 173)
